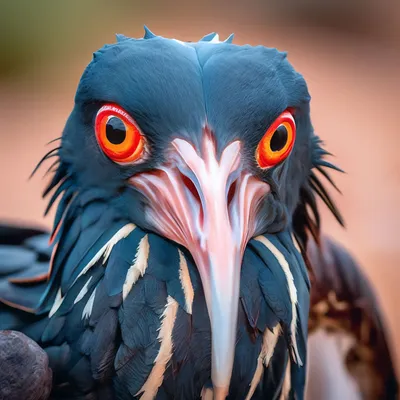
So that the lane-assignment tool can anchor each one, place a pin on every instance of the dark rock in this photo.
(24, 368)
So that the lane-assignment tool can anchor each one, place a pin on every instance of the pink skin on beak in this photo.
(208, 206)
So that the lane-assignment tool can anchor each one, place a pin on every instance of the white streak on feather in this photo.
(107, 248)
(292, 290)
(186, 282)
(87, 311)
(156, 377)
(57, 303)
(267, 350)
(256, 377)
(269, 342)
(138, 267)
(83, 291)
(286, 383)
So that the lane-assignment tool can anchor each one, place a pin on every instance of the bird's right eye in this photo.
(118, 135)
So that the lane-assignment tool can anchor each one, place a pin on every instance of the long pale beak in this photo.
(209, 206)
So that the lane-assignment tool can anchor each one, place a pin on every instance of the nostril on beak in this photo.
(231, 195)
(231, 192)
(191, 187)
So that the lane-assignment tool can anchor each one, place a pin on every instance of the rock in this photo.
(24, 368)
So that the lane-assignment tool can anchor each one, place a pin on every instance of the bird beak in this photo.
(208, 205)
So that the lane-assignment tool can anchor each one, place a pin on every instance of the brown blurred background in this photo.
(348, 51)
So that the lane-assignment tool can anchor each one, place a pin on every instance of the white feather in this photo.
(57, 303)
(186, 282)
(138, 267)
(83, 291)
(87, 311)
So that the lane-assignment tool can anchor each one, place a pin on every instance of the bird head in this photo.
(206, 144)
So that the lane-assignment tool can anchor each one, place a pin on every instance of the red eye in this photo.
(277, 142)
(118, 135)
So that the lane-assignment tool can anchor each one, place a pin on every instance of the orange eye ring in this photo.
(278, 141)
(118, 135)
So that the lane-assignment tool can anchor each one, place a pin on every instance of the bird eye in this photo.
(118, 135)
(277, 143)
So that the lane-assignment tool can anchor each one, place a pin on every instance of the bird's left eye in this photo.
(278, 141)
(118, 135)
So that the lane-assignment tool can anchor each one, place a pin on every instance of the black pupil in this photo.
(279, 138)
(115, 130)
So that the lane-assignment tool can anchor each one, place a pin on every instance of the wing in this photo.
(343, 304)
(24, 264)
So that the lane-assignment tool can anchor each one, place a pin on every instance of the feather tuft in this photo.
(230, 38)
(52, 153)
(148, 34)
(121, 38)
(306, 217)
(211, 37)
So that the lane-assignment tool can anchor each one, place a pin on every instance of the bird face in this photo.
(205, 144)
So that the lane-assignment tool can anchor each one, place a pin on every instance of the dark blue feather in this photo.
(132, 375)
(81, 375)
(13, 259)
(36, 272)
(104, 346)
(58, 360)
(86, 341)
(140, 313)
(53, 329)
(248, 349)
(13, 319)
(258, 311)
(24, 297)
(273, 283)
(101, 304)
(40, 244)
(164, 264)
(62, 206)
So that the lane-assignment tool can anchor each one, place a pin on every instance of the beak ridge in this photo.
(209, 206)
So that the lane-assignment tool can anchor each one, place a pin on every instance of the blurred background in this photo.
(348, 51)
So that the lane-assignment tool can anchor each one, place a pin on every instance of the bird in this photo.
(345, 309)
(186, 185)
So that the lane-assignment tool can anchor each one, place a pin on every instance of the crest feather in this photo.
(148, 34)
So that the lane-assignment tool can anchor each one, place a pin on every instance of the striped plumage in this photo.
(128, 319)
(129, 309)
